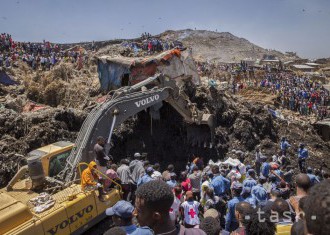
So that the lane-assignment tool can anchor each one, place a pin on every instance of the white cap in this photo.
(137, 155)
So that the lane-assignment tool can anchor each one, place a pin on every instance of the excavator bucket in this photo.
(201, 134)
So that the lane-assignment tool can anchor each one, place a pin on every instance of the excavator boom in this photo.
(125, 103)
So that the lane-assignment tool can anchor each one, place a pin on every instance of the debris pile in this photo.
(23, 132)
(49, 106)
(241, 125)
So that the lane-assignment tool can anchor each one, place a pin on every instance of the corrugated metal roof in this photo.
(302, 66)
(312, 64)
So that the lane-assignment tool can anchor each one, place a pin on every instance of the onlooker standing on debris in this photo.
(302, 157)
(101, 157)
(258, 160)
(284, 145)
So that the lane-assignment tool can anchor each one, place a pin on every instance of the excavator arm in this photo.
(125, 103)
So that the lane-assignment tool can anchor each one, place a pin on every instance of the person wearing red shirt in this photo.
(185, 182)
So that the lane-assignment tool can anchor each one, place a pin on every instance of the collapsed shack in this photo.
(115, 72)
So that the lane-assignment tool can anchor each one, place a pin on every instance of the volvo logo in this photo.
(146, 100)
(70, 220)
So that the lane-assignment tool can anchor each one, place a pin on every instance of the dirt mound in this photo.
(219, 47)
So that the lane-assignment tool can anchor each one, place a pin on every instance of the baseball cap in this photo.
(122, 209)
(137, 155)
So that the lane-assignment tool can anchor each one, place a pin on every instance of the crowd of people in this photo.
(299, 94)
(37, 55)
(267, 197)
(152, 45)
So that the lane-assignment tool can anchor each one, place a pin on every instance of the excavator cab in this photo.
(53, 156)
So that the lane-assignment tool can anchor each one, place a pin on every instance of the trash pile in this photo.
(42, 202)
(49, 106)
(241, 127)
(21, 133)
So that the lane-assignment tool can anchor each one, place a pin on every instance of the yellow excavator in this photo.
(45, 196)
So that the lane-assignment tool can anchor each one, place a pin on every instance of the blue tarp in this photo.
(6, 80)
(110, 74)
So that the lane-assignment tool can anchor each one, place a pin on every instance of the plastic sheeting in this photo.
(6, 80)
(110, 74)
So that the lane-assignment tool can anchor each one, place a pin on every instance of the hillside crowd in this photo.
(231, 197)
(37, 55)
(299, 94)
(151, 44)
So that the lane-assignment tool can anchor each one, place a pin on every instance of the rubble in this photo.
(23, 132)
(66, 95)
(240, 126)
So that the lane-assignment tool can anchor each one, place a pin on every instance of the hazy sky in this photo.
(286, 25)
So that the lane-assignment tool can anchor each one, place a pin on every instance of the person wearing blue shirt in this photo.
(250, 181)
(314, 179)
(279, 174)
(246, 194)
(231, 221)
(259, 193)
(146, 177)
(302, 156)
(219, 183)
(265, 168)
(122, 214)
(284, 145)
